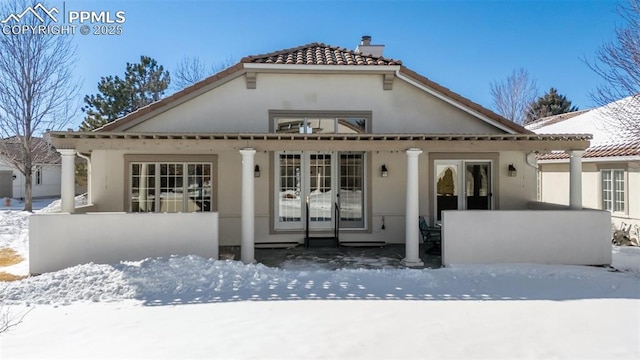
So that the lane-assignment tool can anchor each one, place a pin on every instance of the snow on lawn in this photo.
(192, 307)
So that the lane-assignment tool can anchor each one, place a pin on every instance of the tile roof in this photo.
(612, 127)
(601, 151)
(318, 54)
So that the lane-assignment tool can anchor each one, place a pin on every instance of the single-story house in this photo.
(46, 170)
(315, 141)
(610, 165)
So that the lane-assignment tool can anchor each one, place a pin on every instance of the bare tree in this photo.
(190, 70)
(36, 90)
(10, 319)
(618, 63)
(513, 96)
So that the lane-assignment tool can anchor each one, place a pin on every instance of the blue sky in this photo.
(462, 45)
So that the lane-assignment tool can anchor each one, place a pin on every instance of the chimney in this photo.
(365, 47)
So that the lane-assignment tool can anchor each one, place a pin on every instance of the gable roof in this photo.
(42, 152)
(318, 54)
(609, 125)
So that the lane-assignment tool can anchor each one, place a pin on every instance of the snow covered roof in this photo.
(612, 127)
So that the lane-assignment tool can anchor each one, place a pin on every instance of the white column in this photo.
(575, 179)
(68, 180)
(412, 234)
(248, 210)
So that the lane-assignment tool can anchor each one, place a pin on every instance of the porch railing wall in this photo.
(61, 240)
(568, 237)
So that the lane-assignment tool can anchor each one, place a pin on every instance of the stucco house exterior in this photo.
(317, 140)
(46, 173)
(610, 166)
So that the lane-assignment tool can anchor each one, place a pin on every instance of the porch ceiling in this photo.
(207, 142)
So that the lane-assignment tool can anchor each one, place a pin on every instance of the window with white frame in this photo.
(613, 190)
(170, 186)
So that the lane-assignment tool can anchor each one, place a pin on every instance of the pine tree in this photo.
(549, 104)
(143, 83)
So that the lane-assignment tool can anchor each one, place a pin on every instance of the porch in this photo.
(388, 208)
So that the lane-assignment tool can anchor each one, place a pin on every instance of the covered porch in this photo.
(418, 151)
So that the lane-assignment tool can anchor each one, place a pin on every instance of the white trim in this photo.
(456, 104)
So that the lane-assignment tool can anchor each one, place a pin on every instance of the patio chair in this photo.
(432, 237)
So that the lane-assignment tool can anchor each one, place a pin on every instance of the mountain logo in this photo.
(35, 11)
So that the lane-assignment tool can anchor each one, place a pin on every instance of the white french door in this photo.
(320, 180)
(462, 185)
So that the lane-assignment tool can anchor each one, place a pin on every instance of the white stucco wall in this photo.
(234, 108)
(568, 237)
(49, 186)
(515, 192)
(387, 194)
(58, 240)
(555, 187)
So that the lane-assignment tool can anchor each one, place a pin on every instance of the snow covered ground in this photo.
(191, 307)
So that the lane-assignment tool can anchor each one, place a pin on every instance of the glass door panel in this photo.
(447, 189)
(290, 189)
(320, 196)
(478, 186)
(351, 197)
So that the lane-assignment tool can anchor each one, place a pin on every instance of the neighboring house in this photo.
(313, 140)
(46, 171)
(610, 166)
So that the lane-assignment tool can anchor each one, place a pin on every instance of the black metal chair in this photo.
(431, 236)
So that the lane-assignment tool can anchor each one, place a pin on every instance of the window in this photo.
(320, 125)
(170, 186)
(613, 190)
(38, 176)
(319, 122)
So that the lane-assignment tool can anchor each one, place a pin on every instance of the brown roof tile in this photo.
(609, 150)
(318, 54)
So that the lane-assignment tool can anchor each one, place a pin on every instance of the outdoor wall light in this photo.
(14, 176)
(512, 171)
(383, 171)
(256, 171)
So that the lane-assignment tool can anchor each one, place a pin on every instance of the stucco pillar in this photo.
(412, 234)
(68, 180)
(575, 179)
(248, 207)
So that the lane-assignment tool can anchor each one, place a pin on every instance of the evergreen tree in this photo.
(143, 83)
(549, 104)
